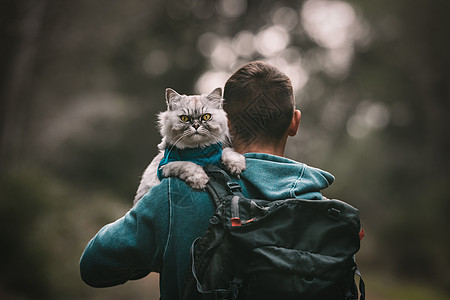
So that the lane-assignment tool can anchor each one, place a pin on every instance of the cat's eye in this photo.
(206, 117)
(185, 118)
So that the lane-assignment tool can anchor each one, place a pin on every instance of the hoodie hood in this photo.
(273, 177)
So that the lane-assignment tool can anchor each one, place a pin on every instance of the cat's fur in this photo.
(195, 133)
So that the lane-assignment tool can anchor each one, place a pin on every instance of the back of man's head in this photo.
(259, 102)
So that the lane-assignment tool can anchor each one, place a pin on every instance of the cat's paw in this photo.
(189, 172)
(233, 161)
(197, 181)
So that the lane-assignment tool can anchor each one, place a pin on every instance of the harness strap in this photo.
(235, 217)
(220, 184)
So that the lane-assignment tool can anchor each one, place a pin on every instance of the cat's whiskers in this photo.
(214, 139)
(178, 139)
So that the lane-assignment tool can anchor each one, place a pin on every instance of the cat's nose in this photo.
(196, 126)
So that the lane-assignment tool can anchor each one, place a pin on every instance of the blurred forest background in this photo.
(81, 82)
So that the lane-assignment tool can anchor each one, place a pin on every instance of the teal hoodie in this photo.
(157, 233)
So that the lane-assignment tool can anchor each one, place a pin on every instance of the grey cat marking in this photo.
(195, 121)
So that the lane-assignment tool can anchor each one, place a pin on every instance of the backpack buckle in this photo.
(234, 186)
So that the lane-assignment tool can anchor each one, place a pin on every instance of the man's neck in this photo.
(269, 149)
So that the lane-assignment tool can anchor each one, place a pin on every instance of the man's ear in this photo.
(295, 123)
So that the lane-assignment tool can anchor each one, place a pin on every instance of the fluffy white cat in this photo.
(194, 131)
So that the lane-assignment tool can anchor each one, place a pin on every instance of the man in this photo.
(156, 235)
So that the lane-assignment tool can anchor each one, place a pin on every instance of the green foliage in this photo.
(24, 258)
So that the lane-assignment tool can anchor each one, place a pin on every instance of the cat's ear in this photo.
(171, 94)
(216, 97)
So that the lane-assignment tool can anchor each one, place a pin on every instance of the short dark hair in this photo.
(259, 102)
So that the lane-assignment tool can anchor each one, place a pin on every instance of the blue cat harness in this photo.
(201, 156)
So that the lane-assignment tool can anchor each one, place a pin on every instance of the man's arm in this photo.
(131, 247)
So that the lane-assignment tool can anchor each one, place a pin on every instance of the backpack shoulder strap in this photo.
(220, 184)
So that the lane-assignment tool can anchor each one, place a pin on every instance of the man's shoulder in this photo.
(175, 188)
(166, 186)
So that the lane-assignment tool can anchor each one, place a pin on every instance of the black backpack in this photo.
(282, 249)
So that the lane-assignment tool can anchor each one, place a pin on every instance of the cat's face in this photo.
(193, 121)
